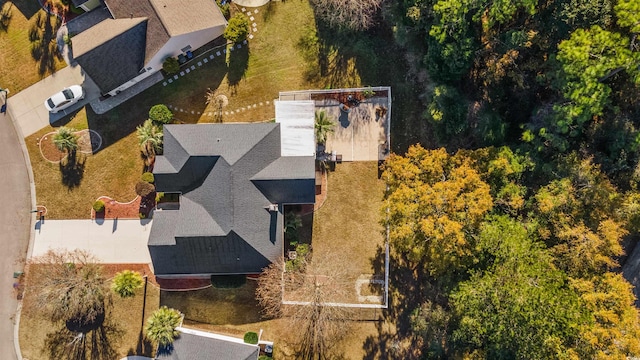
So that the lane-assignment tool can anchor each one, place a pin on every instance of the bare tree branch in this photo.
(350, 14)
(315, 285)
(67, 286)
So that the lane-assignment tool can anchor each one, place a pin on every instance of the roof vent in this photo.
(273, 207)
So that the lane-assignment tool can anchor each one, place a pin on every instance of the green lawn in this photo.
(21, 65)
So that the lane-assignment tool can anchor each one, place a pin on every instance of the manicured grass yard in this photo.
(112, 171)
(348, 221)
(346, 228)
(18, 67)
(273, 61)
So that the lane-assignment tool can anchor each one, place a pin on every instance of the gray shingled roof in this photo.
(156, 35)
(111, 52)
(228, 175)
(194, 347)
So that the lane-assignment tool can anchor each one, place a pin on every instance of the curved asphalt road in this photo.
(15, 224)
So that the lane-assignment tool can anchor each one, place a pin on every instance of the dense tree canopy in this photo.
(435, 204)
(527, 276)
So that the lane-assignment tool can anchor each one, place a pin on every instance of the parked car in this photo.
(64, 99)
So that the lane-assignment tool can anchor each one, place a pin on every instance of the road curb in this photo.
(32, 233)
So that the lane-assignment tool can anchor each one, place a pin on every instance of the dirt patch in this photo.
(110, 270)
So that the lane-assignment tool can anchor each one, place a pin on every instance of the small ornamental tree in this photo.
(65, 140)
(237, 29)
(161, 326)
(150, 139)
(171, 65)
(160, 114)
(323, 126)
(126, 282)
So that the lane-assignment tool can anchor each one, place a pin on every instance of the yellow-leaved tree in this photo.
(434, 204)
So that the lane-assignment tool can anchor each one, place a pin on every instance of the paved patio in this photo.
(361, 133)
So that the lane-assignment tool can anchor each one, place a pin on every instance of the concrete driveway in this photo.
(112, 241)
(27, 106)
(15, 222)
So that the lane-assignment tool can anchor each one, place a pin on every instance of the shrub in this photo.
(126, 282)
(264, 357)
(251, 338)
(237, 29)
(67, 39)
(148, 177)
(98, 206)
(171, 65)
(143, 188)
(225, 9)
(161, 326)
(159, 196)
(142, 216)
(160, 114)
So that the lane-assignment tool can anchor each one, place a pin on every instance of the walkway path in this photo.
(15, 222)
(111, 241)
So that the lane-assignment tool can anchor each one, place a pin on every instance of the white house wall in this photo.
(175, 44)
(173, 48)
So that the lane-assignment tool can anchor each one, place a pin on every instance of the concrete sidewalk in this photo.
(27, 106)
(112, 242)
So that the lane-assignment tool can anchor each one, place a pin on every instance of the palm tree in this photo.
(65, 140)
(149, 138)
(161, 326)
(323, 127)
(126, 282)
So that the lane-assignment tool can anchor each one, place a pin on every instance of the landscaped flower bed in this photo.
(117, 210)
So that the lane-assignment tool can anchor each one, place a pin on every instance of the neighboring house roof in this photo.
(200, 345)
(157, 35)
(228, 175)
(111, 59)
(187, 16)
(112, 51)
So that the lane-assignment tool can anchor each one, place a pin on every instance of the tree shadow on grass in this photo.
(238, 65)
(44, 47)
(72, 170)
(406, 292)
(95, 344)
(5, 15)
(144, 347)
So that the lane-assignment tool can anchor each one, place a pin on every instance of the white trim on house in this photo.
(213, 336)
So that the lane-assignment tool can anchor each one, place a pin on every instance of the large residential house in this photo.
(232, 181)
(132, 45)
